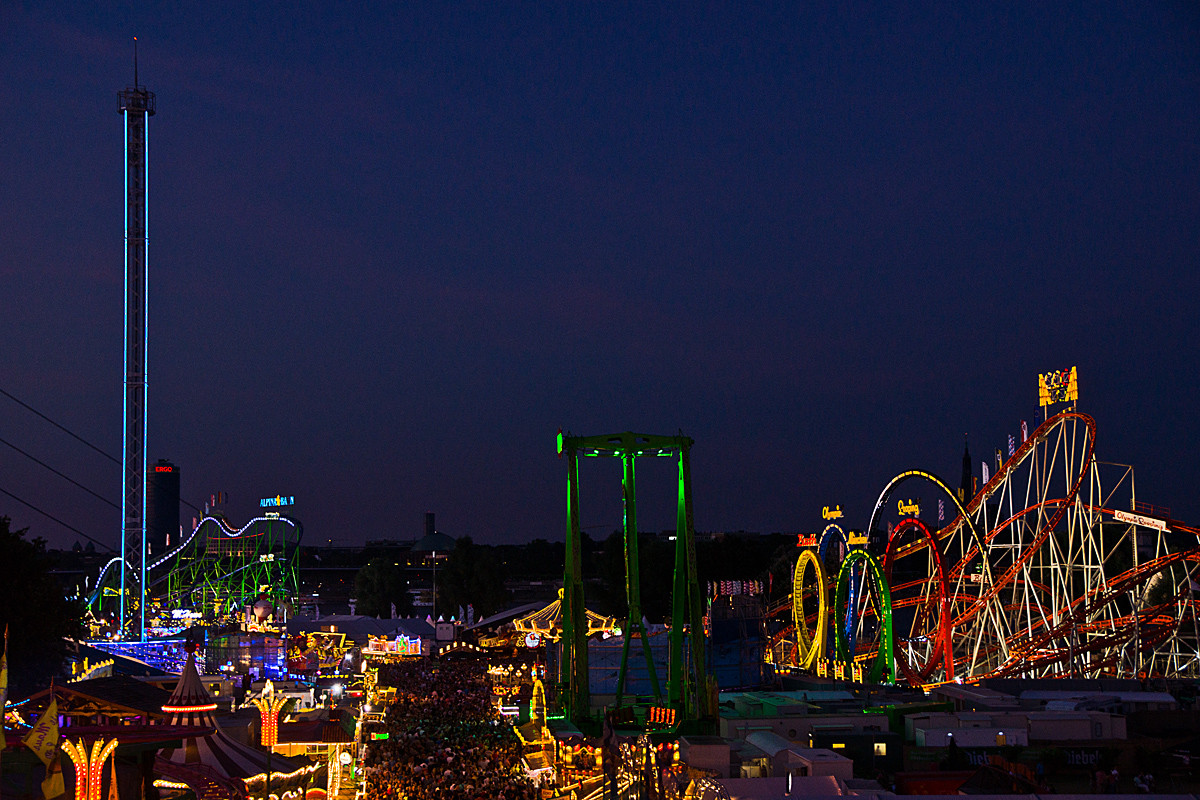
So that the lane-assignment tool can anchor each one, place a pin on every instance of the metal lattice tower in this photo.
(137, 105)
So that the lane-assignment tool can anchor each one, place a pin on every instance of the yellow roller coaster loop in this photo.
(810, 646)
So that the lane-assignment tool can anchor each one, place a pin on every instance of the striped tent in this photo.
(214, 748)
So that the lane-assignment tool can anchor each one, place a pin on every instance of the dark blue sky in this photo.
(393, 251)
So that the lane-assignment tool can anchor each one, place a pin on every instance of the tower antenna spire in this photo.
(135, 80)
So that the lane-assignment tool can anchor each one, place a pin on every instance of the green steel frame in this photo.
(219, 569)
(688, 691)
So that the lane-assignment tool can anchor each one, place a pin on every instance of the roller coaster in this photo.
(218, 570)
(1052, 569)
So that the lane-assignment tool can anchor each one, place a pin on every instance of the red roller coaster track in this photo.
(1088, 628)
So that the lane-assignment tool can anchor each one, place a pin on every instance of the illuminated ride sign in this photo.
(856, 537)
(1138, 519)
(1059, 386)
(400, 646)
(909, 507)
(828, 513)
(276, 501)
(806, 540)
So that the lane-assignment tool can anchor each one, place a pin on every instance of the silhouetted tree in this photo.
(34, 609)
(471, 575)
(379, 584)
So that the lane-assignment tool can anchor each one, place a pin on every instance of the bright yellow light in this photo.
(89, 768)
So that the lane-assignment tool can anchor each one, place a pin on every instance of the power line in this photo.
(59, 474)
(60, 427)
(56, 519)
(81, 439)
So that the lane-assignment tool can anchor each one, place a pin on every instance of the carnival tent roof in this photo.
(189, 691)
(191, 704)
(113, 696)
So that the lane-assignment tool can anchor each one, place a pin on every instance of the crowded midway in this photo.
(444, 738)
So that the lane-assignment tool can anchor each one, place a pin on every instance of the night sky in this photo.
(394, 250)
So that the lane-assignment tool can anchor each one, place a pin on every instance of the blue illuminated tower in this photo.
(137, 104)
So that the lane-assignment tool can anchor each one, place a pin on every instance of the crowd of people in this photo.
(444, 738)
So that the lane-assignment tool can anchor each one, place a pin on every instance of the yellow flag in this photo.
(43, 738)
(53, 785)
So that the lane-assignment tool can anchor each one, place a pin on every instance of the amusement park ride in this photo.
(215, 573)
(688, 689)
(1052, 569)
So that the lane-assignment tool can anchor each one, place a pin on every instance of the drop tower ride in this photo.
(137, 105)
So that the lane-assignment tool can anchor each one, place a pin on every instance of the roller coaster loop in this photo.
(943, 646)
(895, 482)
(826, 539)
(811, 646)
(884, 661)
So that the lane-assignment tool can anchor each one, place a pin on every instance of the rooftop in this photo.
(434, 542)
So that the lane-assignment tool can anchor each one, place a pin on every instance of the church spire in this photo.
(966, 489)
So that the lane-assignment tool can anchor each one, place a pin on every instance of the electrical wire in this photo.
(74, 435)
(60, 427)
(56, 519)
(59, 474)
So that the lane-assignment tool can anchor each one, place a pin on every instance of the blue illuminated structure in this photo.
(137, 105)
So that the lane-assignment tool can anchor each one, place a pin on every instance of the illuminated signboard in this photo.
(806, 540)
(909, 507)
(401, 646)
(856, 537)
(1138, 519)
(1059, 386)
(828, 513)
(276, 501)
(159, 468)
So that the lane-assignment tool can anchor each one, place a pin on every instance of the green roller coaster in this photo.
(219, 570)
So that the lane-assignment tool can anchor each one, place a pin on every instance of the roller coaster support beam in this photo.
(686, 605)
(633, 586)
(573, 666)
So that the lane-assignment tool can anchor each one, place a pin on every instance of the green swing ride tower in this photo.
(688, 690)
